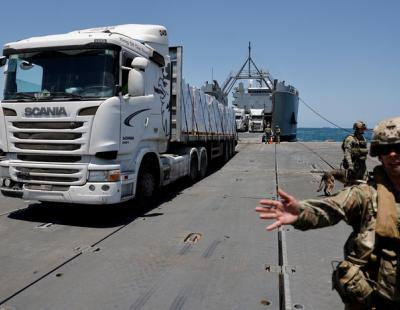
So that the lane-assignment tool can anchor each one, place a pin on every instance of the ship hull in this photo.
(284, 114)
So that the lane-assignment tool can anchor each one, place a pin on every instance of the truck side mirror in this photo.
(136, 79)
(3, 61)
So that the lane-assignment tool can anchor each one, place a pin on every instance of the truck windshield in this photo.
(74, 74)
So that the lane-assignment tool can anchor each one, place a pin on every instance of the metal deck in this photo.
(200, 247)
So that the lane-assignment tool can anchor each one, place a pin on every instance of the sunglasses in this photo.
(387, 149)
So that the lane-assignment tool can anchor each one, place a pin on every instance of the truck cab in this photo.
(80, 109)
(256, 122)
(242, 121)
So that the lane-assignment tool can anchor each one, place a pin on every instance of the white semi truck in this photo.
(256, 122)
(242, 121)
(103, 115)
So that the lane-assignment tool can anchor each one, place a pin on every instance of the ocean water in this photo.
(326, 134)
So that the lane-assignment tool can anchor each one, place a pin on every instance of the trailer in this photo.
(103, 115)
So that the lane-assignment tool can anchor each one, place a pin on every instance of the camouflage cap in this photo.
(387, 132)
(359, 125)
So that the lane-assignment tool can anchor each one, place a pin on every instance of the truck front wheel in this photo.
(146, 186)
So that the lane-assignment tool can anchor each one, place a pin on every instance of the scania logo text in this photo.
(45, 111)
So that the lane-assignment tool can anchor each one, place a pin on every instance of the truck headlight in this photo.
(104, 176)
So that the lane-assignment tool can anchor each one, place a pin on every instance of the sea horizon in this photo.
(321, 134)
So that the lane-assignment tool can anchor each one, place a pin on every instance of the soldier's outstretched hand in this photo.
(284, 211)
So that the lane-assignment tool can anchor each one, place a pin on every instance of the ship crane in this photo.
(252, 73)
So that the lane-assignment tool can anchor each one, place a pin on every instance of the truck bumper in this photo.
(96, 193)
(90, 193)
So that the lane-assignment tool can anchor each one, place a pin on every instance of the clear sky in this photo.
(343, 56)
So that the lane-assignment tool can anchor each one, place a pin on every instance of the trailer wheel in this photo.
(232, 148)
(226, 151)
(193, 172)
(203, 165)
(146, 186)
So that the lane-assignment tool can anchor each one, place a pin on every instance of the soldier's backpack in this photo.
(351, 135)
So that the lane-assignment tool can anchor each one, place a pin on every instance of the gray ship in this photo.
(264, 99)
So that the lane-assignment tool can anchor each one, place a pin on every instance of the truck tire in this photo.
(194, 168)
(232, 148)
(146, 187)
(229, 149)
(226, 151)
(203, 165)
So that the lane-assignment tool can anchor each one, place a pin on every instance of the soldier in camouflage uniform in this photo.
(267, 133)
(277, 134)
(368, 277)
(355, 151)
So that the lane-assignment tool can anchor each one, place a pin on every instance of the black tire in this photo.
(193, 171)
(226, 151)
(203, 165)
(146, 187)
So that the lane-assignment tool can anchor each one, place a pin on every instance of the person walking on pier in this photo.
(267, 133)
(355, 151)
(277, 133)
(369, 276)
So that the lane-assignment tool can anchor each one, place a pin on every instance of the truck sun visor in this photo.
(158, 59)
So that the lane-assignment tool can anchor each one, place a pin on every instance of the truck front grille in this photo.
(49, 153)
(47, 146)
(47, 125)
(47, 135)
(49, 158)
(24, 177)
(56, 175)
(45, 170)
(52, 137)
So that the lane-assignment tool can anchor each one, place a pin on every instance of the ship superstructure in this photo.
(278, 101)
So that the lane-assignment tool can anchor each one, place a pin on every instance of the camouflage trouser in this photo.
(373, 303)
(359, 172)
(360, 306)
